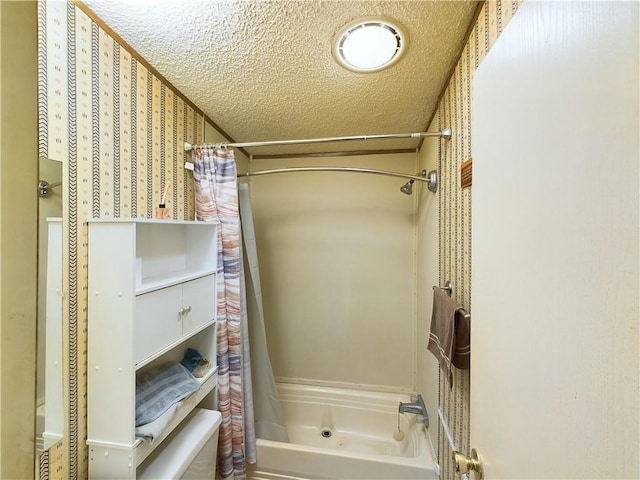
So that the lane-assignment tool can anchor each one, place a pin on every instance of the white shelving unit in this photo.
(151, 296)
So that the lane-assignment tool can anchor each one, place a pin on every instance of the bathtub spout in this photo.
(417, 407)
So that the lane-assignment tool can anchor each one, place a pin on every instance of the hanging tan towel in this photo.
(442, 338)
(462, 341)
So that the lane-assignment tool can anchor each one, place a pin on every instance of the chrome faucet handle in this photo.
(425, 414)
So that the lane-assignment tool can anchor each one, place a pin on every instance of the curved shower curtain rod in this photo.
(446, 134)
(431, 178)
(336, 169)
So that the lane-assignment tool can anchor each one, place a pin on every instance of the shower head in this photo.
(432, 182)
(407, 188)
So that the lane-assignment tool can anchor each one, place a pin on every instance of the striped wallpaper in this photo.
(454, 239)
(119, 130)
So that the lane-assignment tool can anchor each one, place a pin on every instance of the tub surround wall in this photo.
(119, 128)
(336, 260)
(454, 230)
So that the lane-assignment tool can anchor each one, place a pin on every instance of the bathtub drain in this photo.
(326, 433)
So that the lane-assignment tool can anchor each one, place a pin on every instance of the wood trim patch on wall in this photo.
(466, 171)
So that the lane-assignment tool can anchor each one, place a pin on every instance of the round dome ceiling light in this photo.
(369, 45)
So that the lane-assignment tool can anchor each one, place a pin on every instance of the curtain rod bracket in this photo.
(44, 188)
(432, 180)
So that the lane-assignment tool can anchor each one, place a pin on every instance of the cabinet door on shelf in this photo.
(158, 321)
(199, 303)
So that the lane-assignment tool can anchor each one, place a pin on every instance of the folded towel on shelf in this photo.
(158, 388)
(442, 337)
(152, 430)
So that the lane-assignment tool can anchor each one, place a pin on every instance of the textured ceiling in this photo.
(263, 70)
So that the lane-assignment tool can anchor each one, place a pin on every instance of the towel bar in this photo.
(448, 287)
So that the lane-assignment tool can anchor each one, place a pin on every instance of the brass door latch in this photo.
(466, 464)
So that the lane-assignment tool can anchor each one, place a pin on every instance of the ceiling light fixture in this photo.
(369, 44)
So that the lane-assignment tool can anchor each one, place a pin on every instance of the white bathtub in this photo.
(357, 442)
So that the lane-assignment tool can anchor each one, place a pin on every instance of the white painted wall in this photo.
(555, 358)
(337, 263)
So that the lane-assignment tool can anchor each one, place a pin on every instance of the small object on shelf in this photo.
(202, 368)
(191, 359)
(162, 211)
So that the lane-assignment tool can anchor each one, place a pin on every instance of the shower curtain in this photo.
(269, 419)
(216, 199)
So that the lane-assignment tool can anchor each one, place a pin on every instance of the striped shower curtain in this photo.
(216, 190)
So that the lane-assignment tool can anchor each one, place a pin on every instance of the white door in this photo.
(555, 359)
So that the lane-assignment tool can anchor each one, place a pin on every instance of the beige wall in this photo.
(336, 260)
(18, 236)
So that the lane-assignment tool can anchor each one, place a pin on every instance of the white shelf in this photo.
(171, 346)
(168, 280)
(208, 382)
(149, 221)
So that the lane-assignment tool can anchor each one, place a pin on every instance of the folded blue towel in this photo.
(160, 387)
(149, 432)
